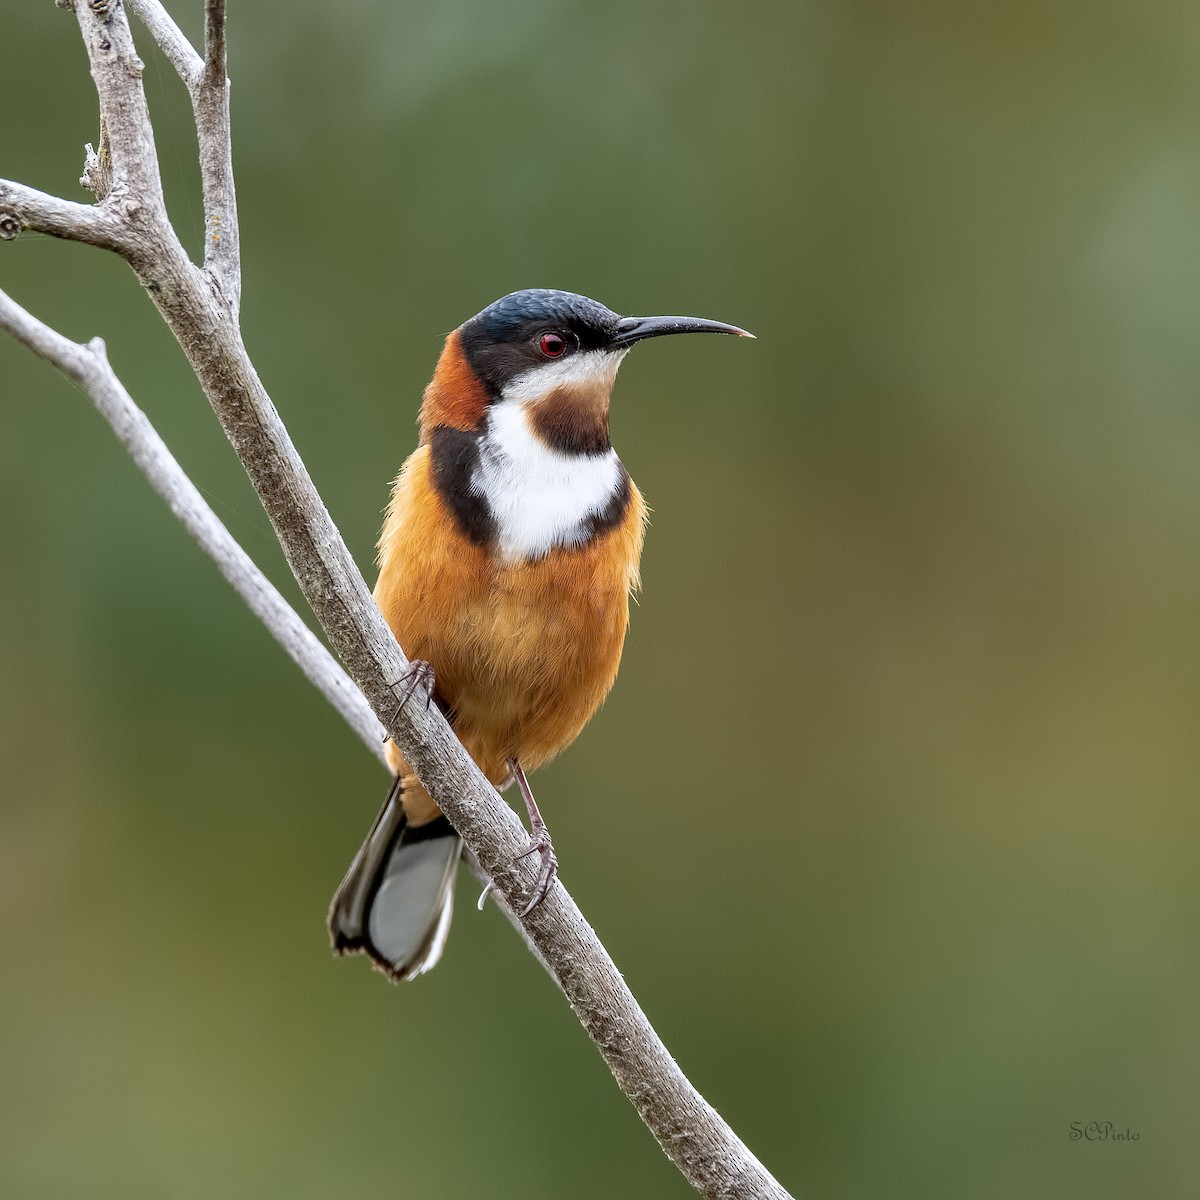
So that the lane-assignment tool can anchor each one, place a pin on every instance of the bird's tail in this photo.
(397, 898)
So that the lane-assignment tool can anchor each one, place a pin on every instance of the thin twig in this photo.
(214, 39)
(117, 72)
(210, 101)
(24, 208)
(204, 320)
(170, 38)
(207, 83)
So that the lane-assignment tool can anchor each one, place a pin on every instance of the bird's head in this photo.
(550, 356)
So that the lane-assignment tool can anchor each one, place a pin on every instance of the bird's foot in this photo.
(542, 845)
(540, 842)
(417, 680)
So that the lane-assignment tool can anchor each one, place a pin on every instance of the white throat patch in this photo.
(539, 496)
(593, 367)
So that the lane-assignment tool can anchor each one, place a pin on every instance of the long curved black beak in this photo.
(634, 329)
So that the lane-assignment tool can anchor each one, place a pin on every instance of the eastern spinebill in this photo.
(506, 562)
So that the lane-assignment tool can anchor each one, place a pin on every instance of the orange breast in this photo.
(524, 652)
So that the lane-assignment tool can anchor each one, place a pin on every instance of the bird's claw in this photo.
(539, 843)
(542, 845)
(541, 885)
(417, 679)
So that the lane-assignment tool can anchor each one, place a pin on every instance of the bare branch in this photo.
(72, 359)
(24, 208)
(214, 40)
(208, 88)
(203, 319)
(117, 72)
(170, 38)
(210, 101)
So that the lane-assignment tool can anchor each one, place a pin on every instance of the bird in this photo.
(508, 555)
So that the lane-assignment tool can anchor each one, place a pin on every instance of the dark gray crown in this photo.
(513, 316)
(501, 342)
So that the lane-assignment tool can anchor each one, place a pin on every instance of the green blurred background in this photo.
(891, 820)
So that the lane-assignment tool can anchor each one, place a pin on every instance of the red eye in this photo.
(552, 345)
